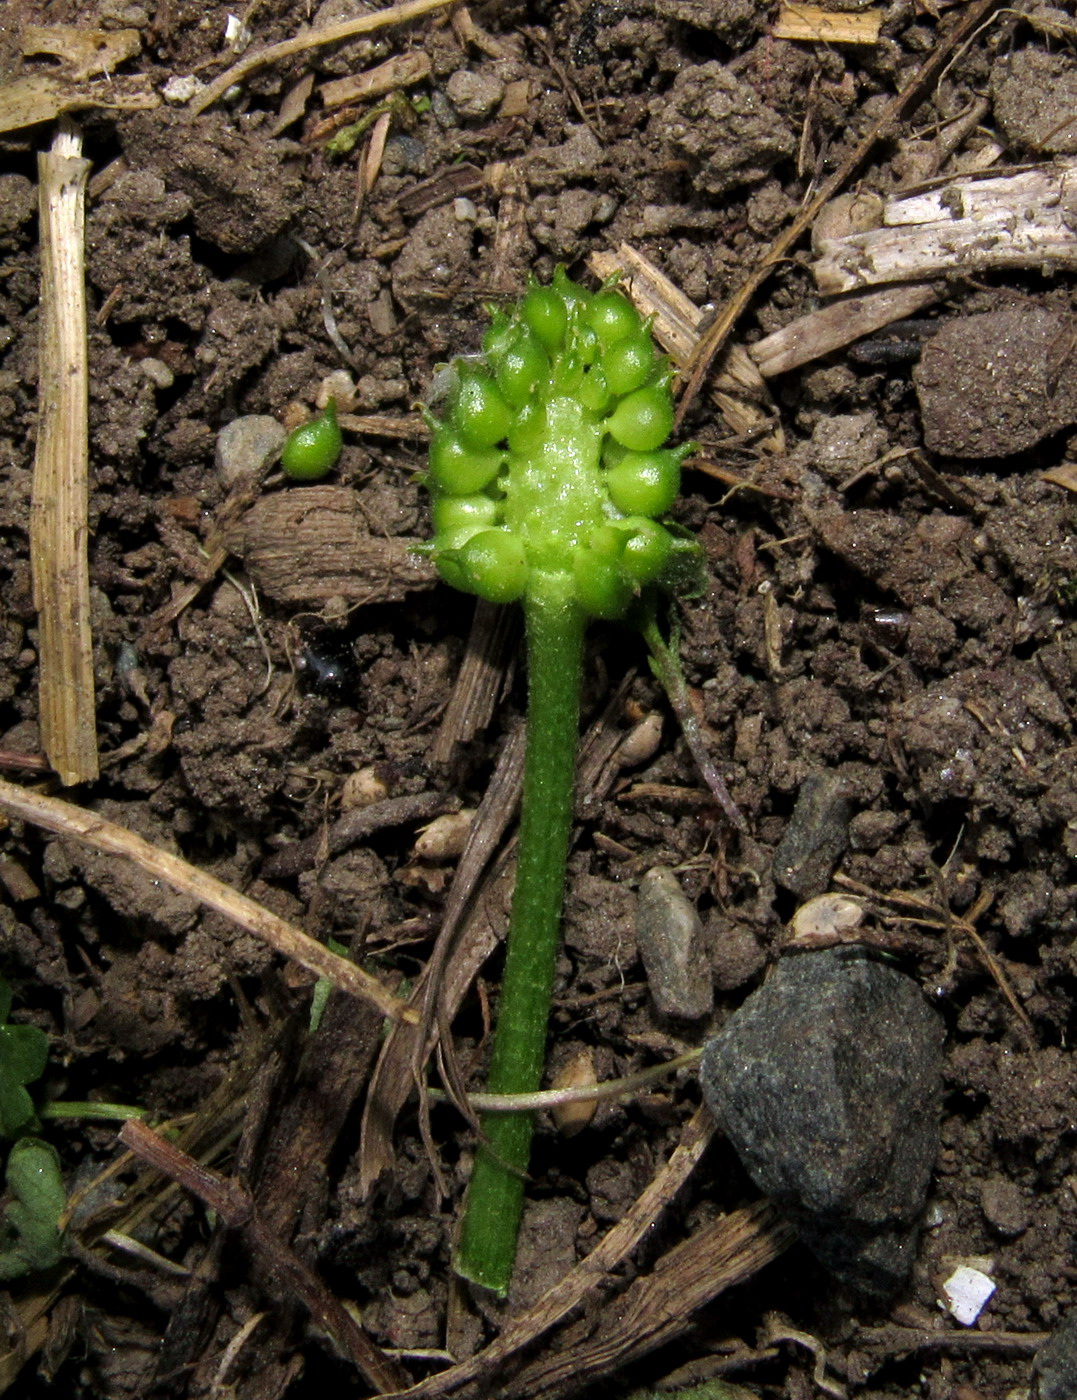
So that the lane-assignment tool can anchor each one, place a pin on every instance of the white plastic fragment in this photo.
(966, 1292)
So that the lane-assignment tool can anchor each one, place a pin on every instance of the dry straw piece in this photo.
(59, 513)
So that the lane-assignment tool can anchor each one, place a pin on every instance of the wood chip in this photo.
(1024, 219)
(309, 544)
(816, 25)
(402, 70)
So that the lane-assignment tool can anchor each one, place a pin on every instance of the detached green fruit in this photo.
(548, 473)
(312, 451)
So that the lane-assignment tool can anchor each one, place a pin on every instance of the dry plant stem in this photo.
(589, 1275)
(59, 512)
(662, 1304)
(234, 1204)
(588, 1093)
(313, 39)
(712, 341)
(68, 820)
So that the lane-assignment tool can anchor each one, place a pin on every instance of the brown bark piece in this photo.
(311, 544)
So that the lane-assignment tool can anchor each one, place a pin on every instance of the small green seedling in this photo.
(30, 1233)
(30, 1237)
(549, 473)
(313, 450)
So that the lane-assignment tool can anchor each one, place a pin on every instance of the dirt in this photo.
(890, 608)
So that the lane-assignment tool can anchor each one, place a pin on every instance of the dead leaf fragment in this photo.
(1064, 475)
(86, 53)
(43, 96)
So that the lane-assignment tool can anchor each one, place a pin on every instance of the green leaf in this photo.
(34, 1179)
(24, 1052)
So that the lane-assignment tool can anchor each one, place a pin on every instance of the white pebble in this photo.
(966, 1292)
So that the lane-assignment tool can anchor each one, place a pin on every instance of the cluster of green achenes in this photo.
(549, 464)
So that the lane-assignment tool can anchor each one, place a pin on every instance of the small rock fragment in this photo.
(247, 446)
(825, 920)
(670, 936)
(966, 1292)
(828, 1083)
(816, 837)
(999, 383)
(1004, 1206)
(1055, 1364)
(445, 837)
(578, 1073)
(474, 94)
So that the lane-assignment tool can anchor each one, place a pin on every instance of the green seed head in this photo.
(312, 451)
(550, 458)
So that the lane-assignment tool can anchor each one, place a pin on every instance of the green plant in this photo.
(31, 1237)
(312, 450)
(547, 472)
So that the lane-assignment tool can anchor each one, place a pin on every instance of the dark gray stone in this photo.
(816, 837)
(828, 1082)
(1055, 1364)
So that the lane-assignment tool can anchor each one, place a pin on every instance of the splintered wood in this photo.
(1022, 219)
(59, 513)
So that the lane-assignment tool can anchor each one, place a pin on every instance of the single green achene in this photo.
(312, 451)
(548, 472)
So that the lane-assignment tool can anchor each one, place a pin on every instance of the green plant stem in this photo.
(555, 630)
(90, 1109)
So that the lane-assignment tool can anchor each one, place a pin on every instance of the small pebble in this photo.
(182, 89)
(1004, 1207)
(157, 372)
(474, 94)
(671, 944)
(816, 837)
(247, 447)
(578, 1073)
(445, 837)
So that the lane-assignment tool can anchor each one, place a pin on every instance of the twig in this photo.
(59, 513)
(313, 39)
(235, 1205)
(68, 820)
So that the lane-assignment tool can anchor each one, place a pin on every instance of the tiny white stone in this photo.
(182, 88)
(966, 1292)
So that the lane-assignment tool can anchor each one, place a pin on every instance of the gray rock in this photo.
(670, 936)
(1055, 1364)
(816, 837)
(828, 1082)
(247, 446)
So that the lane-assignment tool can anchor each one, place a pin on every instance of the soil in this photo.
(900, 623)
